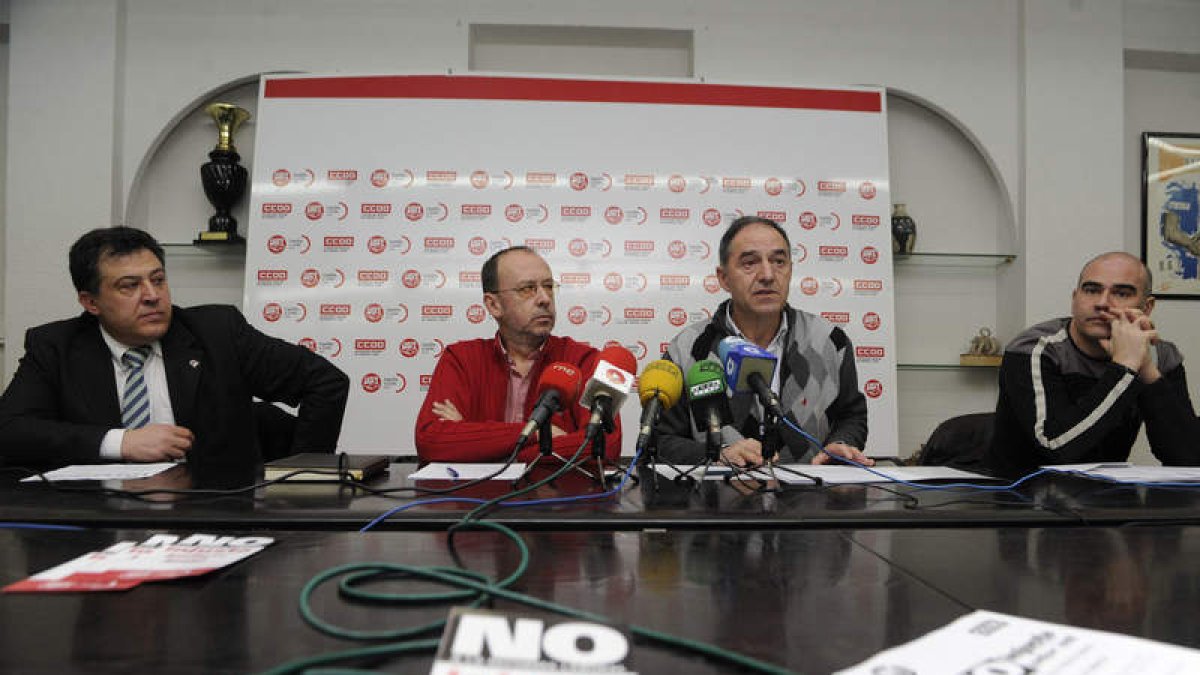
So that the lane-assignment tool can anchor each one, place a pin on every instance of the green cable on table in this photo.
(474, 586)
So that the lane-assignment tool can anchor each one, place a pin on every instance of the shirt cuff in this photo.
(110, 447)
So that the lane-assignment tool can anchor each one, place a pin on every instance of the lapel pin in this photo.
(194, 363)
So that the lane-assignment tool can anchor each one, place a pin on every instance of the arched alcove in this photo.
(948, 180)
(961, 205)
(167, 199)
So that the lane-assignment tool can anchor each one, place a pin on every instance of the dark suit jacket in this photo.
(63, 397)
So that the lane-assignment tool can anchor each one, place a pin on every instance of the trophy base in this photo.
(219, 238)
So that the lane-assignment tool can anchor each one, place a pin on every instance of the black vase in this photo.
(224, 182)
(904, 230)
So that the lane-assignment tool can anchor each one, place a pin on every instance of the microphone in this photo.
(708, 402)
(659, 388)
(611, 382)
(749, 369)
(558, 384)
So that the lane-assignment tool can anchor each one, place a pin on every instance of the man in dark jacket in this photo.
(1077, 389)
(136, 379)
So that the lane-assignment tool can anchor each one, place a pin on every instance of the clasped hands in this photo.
(747, 453)
(1129, 342)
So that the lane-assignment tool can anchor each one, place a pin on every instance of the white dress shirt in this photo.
(155, 374)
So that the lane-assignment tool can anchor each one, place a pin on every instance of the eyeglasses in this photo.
(527, 291)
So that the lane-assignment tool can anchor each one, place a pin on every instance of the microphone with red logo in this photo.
(558, 386)
(606, 390)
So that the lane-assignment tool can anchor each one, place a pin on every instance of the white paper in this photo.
(989, 642)
(1128, 473)
(103, 472)
(833, 474)
(446, 471)
(1087, 466)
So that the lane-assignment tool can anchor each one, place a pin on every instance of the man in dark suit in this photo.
(135, 379)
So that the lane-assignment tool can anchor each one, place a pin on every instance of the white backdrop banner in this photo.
(375, 201)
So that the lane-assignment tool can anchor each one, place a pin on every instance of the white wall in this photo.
(1035, 88)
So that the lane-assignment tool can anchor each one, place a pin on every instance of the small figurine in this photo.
(984, 344)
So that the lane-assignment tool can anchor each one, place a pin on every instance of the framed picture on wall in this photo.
(1170, 209)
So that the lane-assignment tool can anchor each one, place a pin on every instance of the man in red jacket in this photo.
(483, 390)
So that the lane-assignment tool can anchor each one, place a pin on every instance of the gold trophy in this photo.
(224, 180)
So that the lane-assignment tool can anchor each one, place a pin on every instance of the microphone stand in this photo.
(651, 459)
(772, 440)
(545, 450)
(599, 438)
(712, 454)
(772, 431)
(598, 446)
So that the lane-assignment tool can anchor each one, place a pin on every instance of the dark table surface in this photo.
(808, 601)
(1141, 580)
(1047, 500)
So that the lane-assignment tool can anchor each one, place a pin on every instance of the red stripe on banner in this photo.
(585, 91)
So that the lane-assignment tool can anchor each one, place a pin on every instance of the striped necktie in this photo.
(135, 403)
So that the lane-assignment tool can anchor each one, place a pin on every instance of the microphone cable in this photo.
(465, 586)
(923, 486)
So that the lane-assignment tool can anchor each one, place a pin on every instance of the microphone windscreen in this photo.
(705, 378)
(618, 356)
(724, 345)
(563, 378)
(663, 380)
(743, 358)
